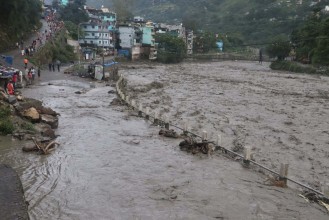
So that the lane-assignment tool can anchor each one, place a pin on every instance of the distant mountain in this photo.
(252, 21)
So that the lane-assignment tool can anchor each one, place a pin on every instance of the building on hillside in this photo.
(96, 34)
(100, 30)
(64, 2)
(148, 41)
(138, 19)
(174, 30)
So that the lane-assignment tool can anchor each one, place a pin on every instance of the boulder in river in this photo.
(32, 114)
(50, 120)
(45, 130)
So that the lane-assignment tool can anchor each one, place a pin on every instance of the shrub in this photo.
(292, 67)
(4, 112)
(6, 126)
(28, 126)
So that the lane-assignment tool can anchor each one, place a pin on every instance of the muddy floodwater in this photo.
(114, 165)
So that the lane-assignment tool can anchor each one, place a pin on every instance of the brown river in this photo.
(113, 165)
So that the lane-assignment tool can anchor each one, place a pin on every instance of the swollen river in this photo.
(113, 165)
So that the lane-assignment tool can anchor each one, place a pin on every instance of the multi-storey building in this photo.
(99, 31)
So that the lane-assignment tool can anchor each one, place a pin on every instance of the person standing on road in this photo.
(53, 66)
(33, 73)
(14, 80)
(25, 62)
(10, 88)
(58, 63)
(39, 71)
(21, 77)
(49, 66)
(260, 56)
(29, 76)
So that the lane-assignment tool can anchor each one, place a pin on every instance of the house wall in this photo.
(126, 37)
(148, 35)
(96, 34)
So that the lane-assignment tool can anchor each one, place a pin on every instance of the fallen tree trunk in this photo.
(43, 148)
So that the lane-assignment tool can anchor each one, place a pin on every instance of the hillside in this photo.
(253, 21)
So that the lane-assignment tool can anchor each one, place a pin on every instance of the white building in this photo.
(96, 34)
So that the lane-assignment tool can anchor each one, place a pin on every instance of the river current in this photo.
(113, 165)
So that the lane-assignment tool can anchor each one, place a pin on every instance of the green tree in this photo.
(19, 17)
(74, 12)
(204, 42)
(171, 49)
(72, 28)
(123, 8)
(311, 40)
(279, 48)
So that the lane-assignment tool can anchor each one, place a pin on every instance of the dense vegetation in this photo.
(6, 125)
(73, 12)
(171, 49)
(311, 40)
(252, 21)
(18, 18)
(55, 49)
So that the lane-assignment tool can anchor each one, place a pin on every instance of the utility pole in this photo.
(79, 54)
(103, 51)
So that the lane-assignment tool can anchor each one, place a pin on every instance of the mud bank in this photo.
(282, 116)
(12, 200)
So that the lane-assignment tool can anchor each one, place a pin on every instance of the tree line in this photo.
(18, 18)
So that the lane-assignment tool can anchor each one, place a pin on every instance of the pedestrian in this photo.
(25, 62)
(260, 56)
(58, 63)
(22, 52)
(14, 79)
(49, 66)
(21, 77)
(5, 85)
(39, 72)
(33, 73)
(53, 66)
(29, 76)
(10, 88)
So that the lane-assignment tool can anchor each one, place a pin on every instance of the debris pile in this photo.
(192, 146)
(42, 147)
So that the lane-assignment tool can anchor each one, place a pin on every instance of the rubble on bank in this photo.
(26, 118)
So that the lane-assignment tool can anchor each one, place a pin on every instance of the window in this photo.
(85, 27)
(99, 42)
(105, 35)
(93, 26)
(93, 34)
(91, 42)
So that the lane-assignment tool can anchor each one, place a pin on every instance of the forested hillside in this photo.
(253, 21)
(18, 18)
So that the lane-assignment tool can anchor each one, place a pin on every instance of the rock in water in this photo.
(49, 119)
(32, 114)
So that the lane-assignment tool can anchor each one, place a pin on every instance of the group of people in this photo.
(51, 66)
(30, 73)
(11, 83)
